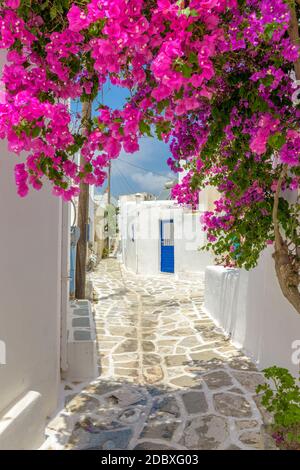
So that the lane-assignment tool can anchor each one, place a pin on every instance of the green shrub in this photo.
(281, 397)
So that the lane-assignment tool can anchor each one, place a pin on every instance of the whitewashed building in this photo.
(105, 223)
(159, 236)
(41, 337)
(34, 301)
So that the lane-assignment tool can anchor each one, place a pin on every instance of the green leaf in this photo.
(188, 12)
(186, 70)
(276, 141)
(270, 28)
(88, 167)
(162, 128)
(53, 12)
(268, 80)
(161, 105)
(193, 58)
(145, 128)
(35, 132)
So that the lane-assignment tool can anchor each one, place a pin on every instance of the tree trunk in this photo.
(83, 216)
(294, 36)
(285, 275)
(287, 272)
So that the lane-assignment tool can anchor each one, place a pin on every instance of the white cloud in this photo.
(151, 150)
(141, 171)
(150, 182)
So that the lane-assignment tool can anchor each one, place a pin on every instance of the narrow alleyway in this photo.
(168, 379)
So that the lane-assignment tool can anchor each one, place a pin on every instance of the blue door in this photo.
(167, 246)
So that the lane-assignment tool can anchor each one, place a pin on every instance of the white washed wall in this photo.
(189, 237)
(128, 228)
(30, 292)
(251, 307)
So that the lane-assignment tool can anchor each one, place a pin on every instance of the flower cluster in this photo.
(211, 77)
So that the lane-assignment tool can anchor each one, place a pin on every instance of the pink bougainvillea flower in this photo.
(14, 4)
(21, 177)
(112, 147)
(178, 67)
(77, 19)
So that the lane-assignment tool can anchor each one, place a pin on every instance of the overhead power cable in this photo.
(124, 179)
(144, 169)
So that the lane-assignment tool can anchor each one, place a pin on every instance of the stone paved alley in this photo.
(168, 378)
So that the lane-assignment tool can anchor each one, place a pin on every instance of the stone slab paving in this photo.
(168, 377)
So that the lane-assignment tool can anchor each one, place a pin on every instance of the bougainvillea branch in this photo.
(213, 78)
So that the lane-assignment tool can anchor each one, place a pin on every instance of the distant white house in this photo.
(159, 236)
(136, 197)
(105, 222)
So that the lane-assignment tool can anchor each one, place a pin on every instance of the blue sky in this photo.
(143, 171)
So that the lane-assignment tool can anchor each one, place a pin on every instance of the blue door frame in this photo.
(167, 261)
